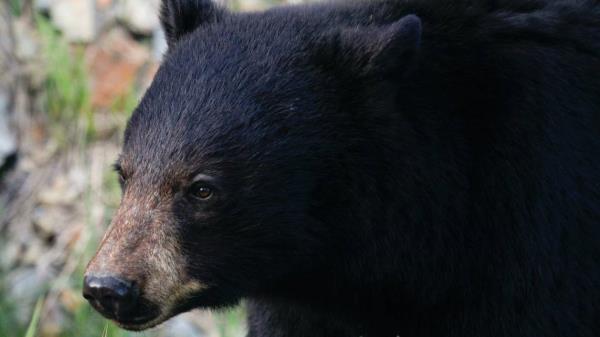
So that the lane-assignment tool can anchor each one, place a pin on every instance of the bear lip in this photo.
(137, 323)
(148, 318)
(140, 323)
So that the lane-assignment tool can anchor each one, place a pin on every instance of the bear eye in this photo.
(201, 191)
(202, 187)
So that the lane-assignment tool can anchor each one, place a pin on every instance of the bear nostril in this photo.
(110, 295)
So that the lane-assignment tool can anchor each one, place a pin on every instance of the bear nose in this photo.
(111, 296)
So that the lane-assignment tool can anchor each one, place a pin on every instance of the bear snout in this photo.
(112, 296)
(120, 300)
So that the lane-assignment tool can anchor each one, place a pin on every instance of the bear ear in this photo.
(181, 17)
(383, 50)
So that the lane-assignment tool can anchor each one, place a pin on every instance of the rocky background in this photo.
(71, 72)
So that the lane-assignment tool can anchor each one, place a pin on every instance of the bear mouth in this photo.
(151, 314)
(140, 323)
(149, 317)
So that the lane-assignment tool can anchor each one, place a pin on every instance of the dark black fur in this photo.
(437, 176)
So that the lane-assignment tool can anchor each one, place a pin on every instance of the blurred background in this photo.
(71, 72)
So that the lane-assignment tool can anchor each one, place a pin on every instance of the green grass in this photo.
(35, 318)
(67, 92)
(8, 328)
(15, 7)
(232, 323)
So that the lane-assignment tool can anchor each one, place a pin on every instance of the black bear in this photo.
(388, 168)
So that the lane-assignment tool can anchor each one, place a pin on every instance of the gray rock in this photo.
(64, 190)
(51, 221)
(8, 145)
(7, 141)
(140, 16)
(159, 44)
(42, 5)
(181, 326)
(9, 253)
(25, 286)
(75, 18)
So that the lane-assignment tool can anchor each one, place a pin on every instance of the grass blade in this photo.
(35, 318)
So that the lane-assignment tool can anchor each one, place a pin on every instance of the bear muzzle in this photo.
(118, 300)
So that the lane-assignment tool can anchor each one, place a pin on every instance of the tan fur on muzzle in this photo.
(141, 246)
